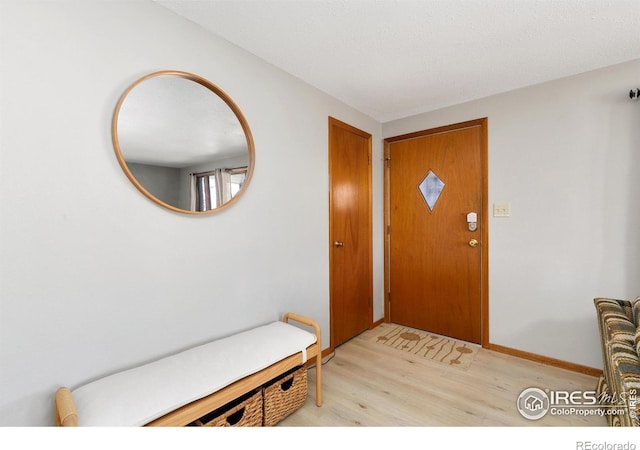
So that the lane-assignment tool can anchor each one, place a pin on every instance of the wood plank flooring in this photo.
(369, 384)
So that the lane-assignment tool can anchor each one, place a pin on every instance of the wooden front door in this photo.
(350, 260)
(435, 183)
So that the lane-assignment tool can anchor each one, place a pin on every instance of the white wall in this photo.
(566, 155)
(95, 277)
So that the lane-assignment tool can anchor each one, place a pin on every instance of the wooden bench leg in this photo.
(316, 328)
(319, 377)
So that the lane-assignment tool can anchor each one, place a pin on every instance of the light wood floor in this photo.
(366, 383)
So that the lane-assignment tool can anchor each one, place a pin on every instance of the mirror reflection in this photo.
(183, 142)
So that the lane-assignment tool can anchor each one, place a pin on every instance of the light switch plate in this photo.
(502, 209)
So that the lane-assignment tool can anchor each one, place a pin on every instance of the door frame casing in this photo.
(335, 122)
(484, 266)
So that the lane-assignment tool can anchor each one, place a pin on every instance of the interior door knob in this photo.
(473, 243)
(338, 244)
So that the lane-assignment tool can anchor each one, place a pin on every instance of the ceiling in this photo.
(395, 58)
(172, 121)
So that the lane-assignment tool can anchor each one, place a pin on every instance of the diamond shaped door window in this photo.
(431, 188)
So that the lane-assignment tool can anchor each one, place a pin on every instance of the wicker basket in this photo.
(284, 395)
(244, 412)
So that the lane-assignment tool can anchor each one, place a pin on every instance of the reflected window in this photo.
(236, 181)
(214, 188)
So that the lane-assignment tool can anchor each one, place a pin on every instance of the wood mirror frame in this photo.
(160, 128)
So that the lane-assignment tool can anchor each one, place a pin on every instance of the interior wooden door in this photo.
(435, 183)
(351, 277)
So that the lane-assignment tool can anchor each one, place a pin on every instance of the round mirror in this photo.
(183, 142)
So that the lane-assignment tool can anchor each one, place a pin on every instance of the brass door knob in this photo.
(338, 244)
(473, 243)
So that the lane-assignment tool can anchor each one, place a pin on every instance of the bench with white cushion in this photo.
(178, 389)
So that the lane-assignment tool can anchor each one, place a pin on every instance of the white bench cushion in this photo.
(137, 396)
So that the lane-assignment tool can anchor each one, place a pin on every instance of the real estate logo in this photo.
(533, 403)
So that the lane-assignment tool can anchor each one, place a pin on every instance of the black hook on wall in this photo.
(634, 95)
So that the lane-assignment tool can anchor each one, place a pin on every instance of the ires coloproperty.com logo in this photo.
(534, 403)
